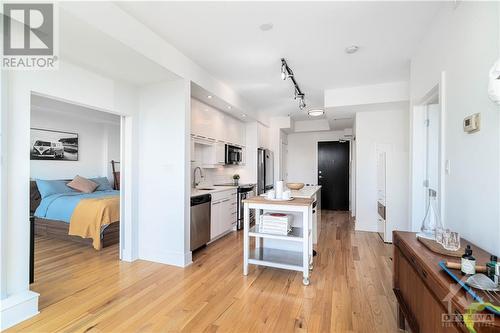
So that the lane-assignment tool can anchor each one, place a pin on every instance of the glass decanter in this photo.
(432, 227)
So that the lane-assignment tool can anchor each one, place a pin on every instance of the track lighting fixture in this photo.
(302, 104)
(287, 73)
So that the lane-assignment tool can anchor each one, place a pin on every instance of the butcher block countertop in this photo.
(294, 202)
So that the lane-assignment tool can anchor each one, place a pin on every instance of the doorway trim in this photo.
(127, 242)
(417, 150)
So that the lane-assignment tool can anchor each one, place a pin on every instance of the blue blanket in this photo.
(60, 206)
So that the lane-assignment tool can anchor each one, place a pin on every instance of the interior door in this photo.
(333, 174)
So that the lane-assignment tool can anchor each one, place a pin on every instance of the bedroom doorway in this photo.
(76, 192)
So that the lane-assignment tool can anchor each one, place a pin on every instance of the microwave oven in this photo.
(233, 154)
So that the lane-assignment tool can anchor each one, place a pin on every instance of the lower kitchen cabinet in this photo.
(223, 216)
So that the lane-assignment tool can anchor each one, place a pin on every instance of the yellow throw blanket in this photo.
(91, 214)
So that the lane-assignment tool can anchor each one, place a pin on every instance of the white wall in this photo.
(381, 127)
(93, 90)
(464, 42)
(370, 94)
(302, 159)
(97, 144)
(164, 173)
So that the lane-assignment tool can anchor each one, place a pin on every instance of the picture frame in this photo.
(53, 145)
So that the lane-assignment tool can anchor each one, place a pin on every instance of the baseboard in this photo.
(17, 308)
(168, 258)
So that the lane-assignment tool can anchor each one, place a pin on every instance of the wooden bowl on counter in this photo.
(295, 186)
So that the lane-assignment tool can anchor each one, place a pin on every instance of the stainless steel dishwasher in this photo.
(200, 220)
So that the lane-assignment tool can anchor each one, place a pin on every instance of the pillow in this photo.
(82, 184)
(103, 183)
(49, 187)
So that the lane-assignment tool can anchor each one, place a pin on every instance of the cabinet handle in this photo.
(424, 273)
(225, 200)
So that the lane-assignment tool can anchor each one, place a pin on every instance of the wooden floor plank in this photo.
(83, 290)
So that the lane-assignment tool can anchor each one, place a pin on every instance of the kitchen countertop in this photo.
(213, 189)
(306, 192)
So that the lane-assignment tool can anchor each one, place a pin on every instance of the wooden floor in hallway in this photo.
(83, 290)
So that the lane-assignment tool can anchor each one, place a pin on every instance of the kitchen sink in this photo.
(206, 189)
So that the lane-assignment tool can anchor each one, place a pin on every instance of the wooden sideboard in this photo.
(426, 294)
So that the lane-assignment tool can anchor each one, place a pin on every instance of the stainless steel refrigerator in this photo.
(265, 170)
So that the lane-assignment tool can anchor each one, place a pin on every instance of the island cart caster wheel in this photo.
(310, 267)
(305, 281)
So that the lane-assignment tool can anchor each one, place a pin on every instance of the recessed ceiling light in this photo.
(243, 115)
(351, 49)
(315, 112)
(209, 96)
(229, 107)
(266, 26)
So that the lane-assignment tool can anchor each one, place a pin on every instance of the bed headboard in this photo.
(35, 197)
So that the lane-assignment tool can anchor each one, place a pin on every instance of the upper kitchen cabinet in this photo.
(234, 130)
(263, 136)
(211, 123)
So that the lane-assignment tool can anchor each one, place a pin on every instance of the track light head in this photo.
(302, 103)
(286, 72)
(283, 72)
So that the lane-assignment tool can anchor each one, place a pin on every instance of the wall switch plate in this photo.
(472, 123)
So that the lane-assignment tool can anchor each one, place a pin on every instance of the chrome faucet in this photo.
(194, 176)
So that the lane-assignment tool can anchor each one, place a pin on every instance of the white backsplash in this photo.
(219, 175)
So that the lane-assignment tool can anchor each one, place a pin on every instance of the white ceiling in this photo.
(84, 45)
(202, 95)
(225, 39)
(78, 112)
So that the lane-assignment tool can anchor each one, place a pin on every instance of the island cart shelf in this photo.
(284, 259)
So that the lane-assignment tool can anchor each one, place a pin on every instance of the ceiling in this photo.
(84, 45)
(208, 98)
(225, 39)
(78, 112)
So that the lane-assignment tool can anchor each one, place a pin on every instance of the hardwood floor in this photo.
(87, 291)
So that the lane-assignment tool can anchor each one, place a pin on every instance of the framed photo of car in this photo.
(53, 145)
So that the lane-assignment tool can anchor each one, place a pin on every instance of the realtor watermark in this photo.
(474, 317)
(29, 36)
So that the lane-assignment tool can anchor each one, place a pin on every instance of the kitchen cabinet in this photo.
(220, 153)
(263, 136)
(223, 215)
(209, 153)
(208, 122)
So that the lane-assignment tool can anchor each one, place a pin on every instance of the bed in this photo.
(53, 213)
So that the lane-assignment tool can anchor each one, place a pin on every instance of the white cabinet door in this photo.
(220, 153)
(263, 136)
(215, 218)
(232, 131)
(226, 222)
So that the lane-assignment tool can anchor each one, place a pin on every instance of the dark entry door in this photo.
(333, 174)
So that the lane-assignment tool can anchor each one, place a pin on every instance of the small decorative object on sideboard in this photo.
(468, 265)
(432, 221)
(490, 269)
(236, 179)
